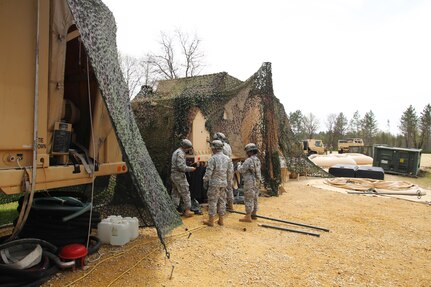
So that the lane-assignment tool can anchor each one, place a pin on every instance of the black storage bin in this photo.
(343, 170)
(372, 172)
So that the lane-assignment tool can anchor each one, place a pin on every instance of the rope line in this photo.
(187, 233)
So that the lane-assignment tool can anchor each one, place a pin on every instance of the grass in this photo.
(8, 212)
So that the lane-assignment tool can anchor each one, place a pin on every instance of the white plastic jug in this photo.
(104, 229)
(133, 227)
(120, 234)
(115, 218)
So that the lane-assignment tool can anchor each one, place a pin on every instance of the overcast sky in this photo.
(327, 56)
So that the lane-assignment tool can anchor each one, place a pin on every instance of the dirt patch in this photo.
(373, 242)
(426, 160)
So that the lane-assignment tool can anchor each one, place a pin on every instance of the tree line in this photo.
(415, 129)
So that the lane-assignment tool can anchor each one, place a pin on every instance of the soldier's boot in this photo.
(246, 218)
(229, 205)
(254, 215)
(188, 213)
(210, 221)
(220, 220)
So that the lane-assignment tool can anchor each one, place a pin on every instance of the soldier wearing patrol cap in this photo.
(180, 185)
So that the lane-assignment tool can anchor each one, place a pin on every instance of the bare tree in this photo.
(164, 62)
(131, 72)
(148, 70)
(311, 124)
(179, 56)
(136, 72)
(330, 124)
(191, 52)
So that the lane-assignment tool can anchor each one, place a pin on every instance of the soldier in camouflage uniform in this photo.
(217, 175)
(227, 150)
(250, 171)
(180, 186)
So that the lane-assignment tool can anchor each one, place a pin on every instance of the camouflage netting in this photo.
(147, 195)
(245, 111)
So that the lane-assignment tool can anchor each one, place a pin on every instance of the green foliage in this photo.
(425, 128)
(355, 125)
(415, 131)
(409, 126)
(369, 127)
(295, 160)
(8, 212)
(296, 124)
(386, 138)
(276, 168)
(340, 126)
(208, 104)
(8, 198)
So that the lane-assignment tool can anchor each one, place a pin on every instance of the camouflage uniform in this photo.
(218, 173)
(227, 150)
(250, 171)
(180, 186)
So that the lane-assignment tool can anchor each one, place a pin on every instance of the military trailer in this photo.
(313, 146)
(345, 144)
(53, 120)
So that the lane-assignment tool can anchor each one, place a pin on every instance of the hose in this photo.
(58, 262)
(46, 220)
(77, 213)
(94, 248)
(34, 272)
(40, 273)
(43, 243)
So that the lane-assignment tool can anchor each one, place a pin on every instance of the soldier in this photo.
(217, 175)
(180, 186)
(250, 171)
(227, 150)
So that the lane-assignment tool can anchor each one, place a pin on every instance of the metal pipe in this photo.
(418, 193)
(290, 230)
(58, 262)
(90, 108)
(284, 221)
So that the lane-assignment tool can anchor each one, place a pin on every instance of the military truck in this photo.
(344, 144)
(313, 146)
(53, 121)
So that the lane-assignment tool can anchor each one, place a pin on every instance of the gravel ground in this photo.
(373, 241)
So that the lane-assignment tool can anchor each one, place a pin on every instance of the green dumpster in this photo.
(395, 160)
